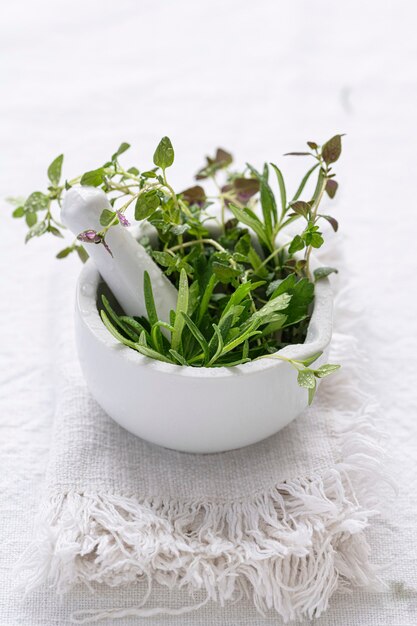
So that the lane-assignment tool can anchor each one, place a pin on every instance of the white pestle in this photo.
(124, 271)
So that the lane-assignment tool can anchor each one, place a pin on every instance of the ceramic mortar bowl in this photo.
(193, 409)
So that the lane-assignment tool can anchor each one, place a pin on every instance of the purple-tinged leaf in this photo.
(245, 188)
(332, 149)
(221, 160)
(331, 188)
(301, 208)
(194, 195)
(332, 221)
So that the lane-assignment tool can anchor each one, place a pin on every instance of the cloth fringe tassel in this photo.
(288, 549)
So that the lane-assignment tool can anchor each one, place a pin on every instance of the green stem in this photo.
(222, 201)
(128, 174)
(232, 199)
(277, 357)
(172, 192)
(272, 255)
(314, 217)
(125, 188)
(211, 242)
(195, 242)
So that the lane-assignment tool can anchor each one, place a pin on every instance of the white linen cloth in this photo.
(83, 77)
(281, 522)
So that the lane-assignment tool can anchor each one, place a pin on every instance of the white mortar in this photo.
(187, 408)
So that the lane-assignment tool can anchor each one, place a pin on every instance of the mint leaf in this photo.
(326, 370)
(82, 253)
(164, 258)
(306, 379)
(276, 303)
(296, 245)
(322, 272)
(64, 253)
(312, 236)
(31, 218)
(146, 204)
(37, 201)
(36, 231)
(225, 272)
(122, 148)
(302, 294)
(54, 170)
(94, 178)
(19, 212)
(309, 360)
(311, 394)
(54, 231)
(149, 174)
(179, 229)
(106, 217)
(164, 154)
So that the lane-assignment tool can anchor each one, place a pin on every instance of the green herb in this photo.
(182, 307)
(93, 178)
(54, 170)
(164, 154)
(243, 294)
(323, 272)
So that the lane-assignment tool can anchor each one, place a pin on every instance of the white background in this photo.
(257, 78)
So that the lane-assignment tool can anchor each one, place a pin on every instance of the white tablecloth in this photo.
(258, 79)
